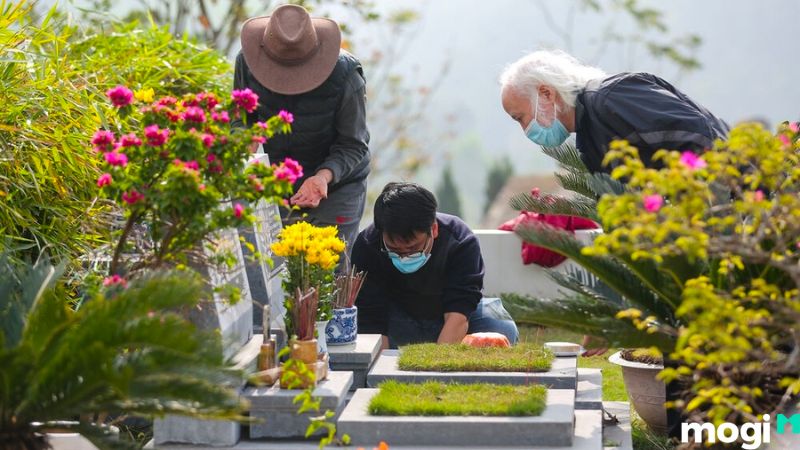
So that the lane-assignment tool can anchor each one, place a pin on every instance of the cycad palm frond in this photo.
(576, 182)
(601, 184)
(609, 270)
(585, 283)
(567, 156)
(584, 315)
(131, 352)
(579, 206)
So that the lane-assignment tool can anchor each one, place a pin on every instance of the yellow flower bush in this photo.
(725, 226)
(312, 254)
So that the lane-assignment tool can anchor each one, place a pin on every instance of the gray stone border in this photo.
(554, 427)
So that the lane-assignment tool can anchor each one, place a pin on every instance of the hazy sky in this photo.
(747, 64)
(747, 67)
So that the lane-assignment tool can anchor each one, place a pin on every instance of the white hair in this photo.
(554, 68)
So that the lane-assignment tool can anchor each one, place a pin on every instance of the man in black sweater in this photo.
(424, 274)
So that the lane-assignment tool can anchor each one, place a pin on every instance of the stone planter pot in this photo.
(305, 351)
(342, 329)
(646, 393)
(315, 371)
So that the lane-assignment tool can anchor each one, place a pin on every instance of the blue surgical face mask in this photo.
(409, 263)
(551, 136)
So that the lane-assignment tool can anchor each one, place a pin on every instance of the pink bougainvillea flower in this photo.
(166, 101)
(115, 280)
(262, 125)
(201, 187)
(692, 161)
(208, 140)
(194, 114)
(794, 126)
(156, 137)
(283, 173)
(785, 140)
(215, 167)
(221, 116)
(259, 139)
(286, 116)
(130, 140)
(132, 196)
(173, 116)
(103, 140)
(192, 165)
(246, 99)
(652, 203)
(758, 196)
(211, 157)
(104, 180)
(208, 98)
(238, 209)
(294, 166)
(116, 159)
(120, 96)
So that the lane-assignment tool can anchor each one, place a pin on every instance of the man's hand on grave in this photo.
(313, 190)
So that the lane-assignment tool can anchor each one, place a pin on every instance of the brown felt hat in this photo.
(290, 52)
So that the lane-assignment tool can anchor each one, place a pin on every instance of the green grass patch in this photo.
(463, 358)
(435, 398)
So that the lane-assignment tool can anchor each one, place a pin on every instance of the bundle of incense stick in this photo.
(347, 287)
(304, 313)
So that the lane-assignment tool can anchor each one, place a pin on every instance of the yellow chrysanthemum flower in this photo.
(144, 95)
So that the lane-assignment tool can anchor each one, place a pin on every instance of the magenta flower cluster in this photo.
(120, 96)
(291, 171)
(245, 99)
(172, 129)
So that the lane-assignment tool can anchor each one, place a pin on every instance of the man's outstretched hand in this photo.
(313, 190)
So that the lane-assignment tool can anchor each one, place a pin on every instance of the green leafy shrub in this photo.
(698, 259)
(122, 352)
(53, 77)
(735, 212)
(179, 168)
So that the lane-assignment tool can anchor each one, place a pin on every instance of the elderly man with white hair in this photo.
(551, 94)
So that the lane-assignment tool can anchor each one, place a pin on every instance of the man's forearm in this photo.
(454, 329)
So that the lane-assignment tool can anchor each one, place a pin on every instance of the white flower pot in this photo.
(322, 346)
(646, 393)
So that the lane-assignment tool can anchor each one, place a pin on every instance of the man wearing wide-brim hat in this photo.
(293, 62)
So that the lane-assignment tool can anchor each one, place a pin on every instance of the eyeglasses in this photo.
(416, 254)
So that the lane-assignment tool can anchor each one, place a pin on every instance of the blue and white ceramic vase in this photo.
(343, 327)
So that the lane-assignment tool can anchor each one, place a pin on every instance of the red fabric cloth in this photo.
(532, 254)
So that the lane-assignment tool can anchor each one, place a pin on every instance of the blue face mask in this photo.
(551, 136)
(410, 263)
